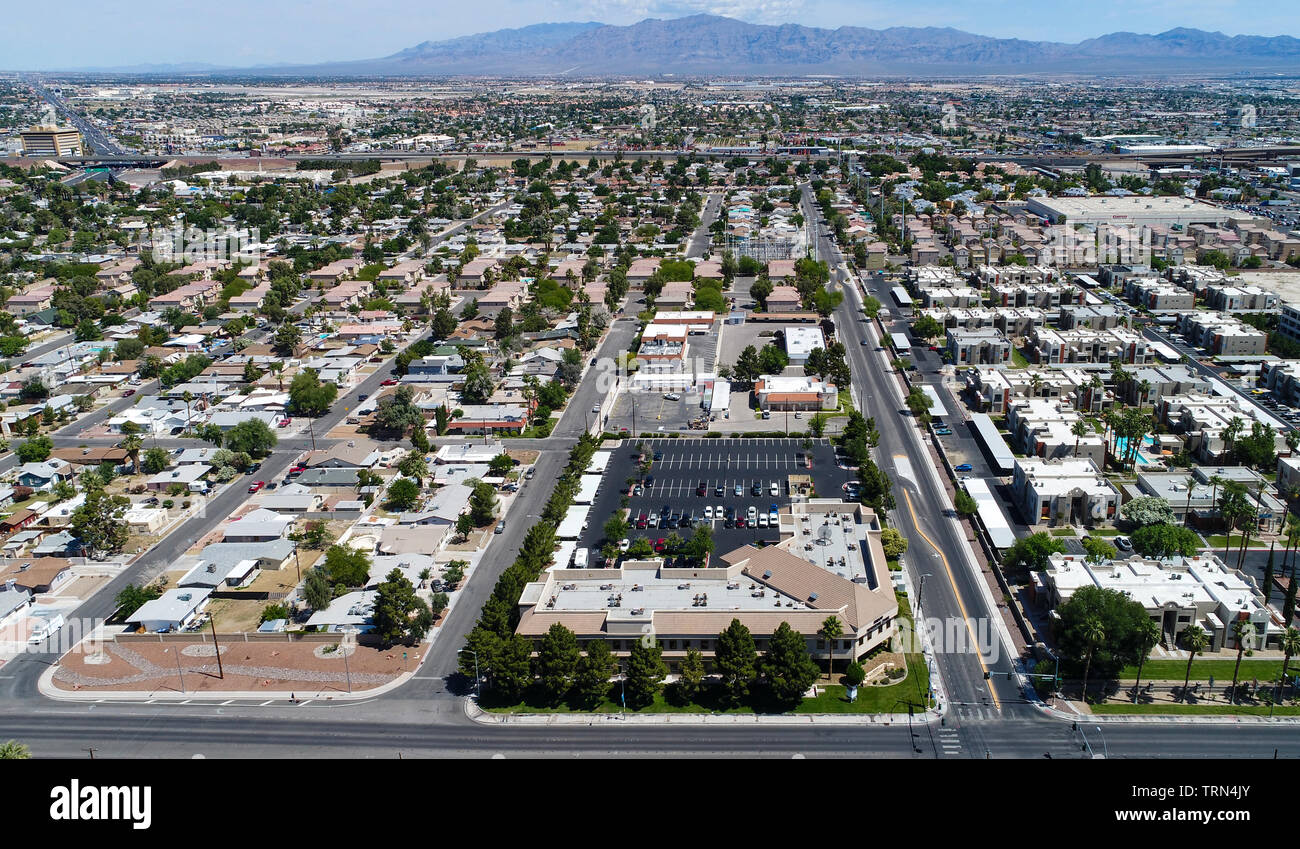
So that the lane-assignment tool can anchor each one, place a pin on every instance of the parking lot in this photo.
(652, 412)
(683, 464)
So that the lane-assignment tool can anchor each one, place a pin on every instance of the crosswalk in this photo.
(949, 743)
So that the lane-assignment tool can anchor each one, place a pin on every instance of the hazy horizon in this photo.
(250, 33)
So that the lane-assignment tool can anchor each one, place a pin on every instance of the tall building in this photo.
(52, 141)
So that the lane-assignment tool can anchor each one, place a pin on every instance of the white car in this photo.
(595, 408)
(776, 489)
(624, 544)
(672, 396)
(1123, 544)
(762, 520)
(708, 512)
(751, 516)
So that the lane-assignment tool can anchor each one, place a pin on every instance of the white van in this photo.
(580, 558)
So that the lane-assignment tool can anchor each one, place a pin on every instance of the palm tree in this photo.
(1292, 537)
(1187, 512)
(1231, 432)
(1079, 429)
(1196, 641)
(132, 444)
(1094, 635)
(1035, 383)
(1148, 635)
(1215, 482)
(1290, 648)
(12, 750)
(1245, 633)
(187, 397)
(831, 631)
(277, 366)
(1144, 392)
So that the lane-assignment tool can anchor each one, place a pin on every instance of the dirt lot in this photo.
(271, 666)
(236, 616)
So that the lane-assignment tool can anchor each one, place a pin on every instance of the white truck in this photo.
(580, 558)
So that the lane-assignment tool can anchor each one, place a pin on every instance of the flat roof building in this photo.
(1130, 211)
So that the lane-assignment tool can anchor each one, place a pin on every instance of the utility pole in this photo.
(217, 649)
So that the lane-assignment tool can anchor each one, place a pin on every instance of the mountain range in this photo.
(702, 45)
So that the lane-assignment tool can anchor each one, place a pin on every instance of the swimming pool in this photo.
(1147, 454)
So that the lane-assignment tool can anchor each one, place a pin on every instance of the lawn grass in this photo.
(1174, 670)
(1105, 532)
(1063, 532)
(1018, 359)
(892, 698)
(1219, 710)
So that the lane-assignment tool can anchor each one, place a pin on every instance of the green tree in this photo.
(131, 597)
(964, 503)
(594, 671)
(928, 328)
(400, 616)
(1290, 645)
(1244, 631)
(736, 660)
(691, 679)
(99, 523)
(12, 750)
(35, 450)
(397, 413)
(1148, 637)
(893, 542)
(253, 437)
(308, 396)
(786, 666)
(347, 566)
(1165, 541)
(1033, 551)
(645, 673)
(403, 494)
(1195, 640)
(557, 662)
(464, 525)
(286, 340)
(512, 672)
(482, 504)
(830, 631)
(316, 589)
(1115, 614)
(414, 465)
(1098, 550)
(155, 460)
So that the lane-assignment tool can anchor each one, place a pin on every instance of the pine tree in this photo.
(557, 662)
(595, 669)
(787, 668)
(645, 674)
(736, 660)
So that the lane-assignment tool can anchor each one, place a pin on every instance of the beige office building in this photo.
(52, 141)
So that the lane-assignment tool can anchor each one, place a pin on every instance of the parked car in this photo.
(501, 526)
(702, 488)
(256, 485)
(128, 393)
(751, 515)
(672, 396)
(285, 422)
(1123, 544)
(389, 382)
(963, 467)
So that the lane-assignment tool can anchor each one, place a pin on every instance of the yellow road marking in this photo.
(964, 616)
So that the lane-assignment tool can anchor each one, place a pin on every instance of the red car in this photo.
(740, 521)
(661, 544)
(389, 382)
(128, 393)
(285, 422)
(298, 469)
(256, 485)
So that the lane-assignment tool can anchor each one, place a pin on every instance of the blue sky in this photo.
(79, 33)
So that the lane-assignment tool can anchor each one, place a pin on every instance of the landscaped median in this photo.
(1162, 689)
